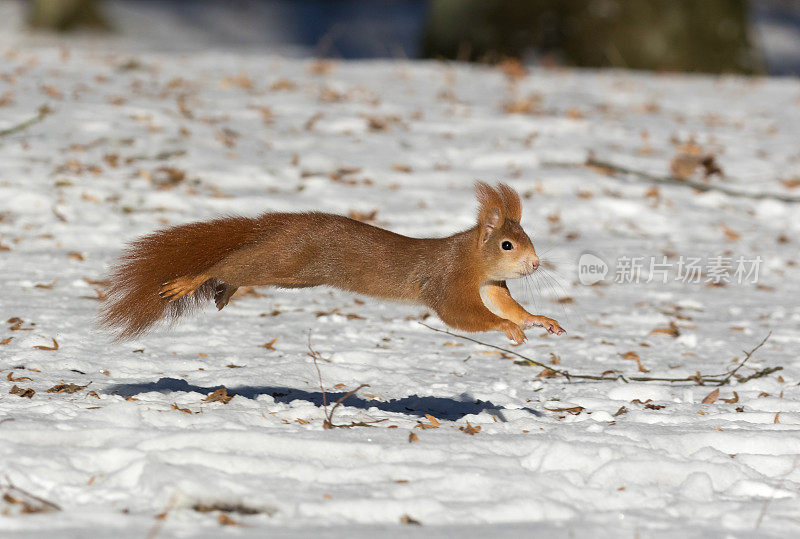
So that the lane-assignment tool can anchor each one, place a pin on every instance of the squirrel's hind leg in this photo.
(223, 293)
(177, 288)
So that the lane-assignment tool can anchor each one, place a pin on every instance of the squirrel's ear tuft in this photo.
(511, 202)
(491, 212)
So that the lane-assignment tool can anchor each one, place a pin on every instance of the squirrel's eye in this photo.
(507, 245)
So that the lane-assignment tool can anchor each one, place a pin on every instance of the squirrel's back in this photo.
(306, 249)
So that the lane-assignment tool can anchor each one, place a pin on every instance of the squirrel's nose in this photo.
(533, 263)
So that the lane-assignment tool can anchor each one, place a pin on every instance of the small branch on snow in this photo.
(42, 113)
(757, 374)
(11, 488)
(328, 423)
(613, 169)
(698, 378)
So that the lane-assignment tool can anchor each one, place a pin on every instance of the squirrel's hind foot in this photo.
(177, 288)
(223, 293)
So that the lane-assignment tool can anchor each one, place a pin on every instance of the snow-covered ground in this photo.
(134, 143)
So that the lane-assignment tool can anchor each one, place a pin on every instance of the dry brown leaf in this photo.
(220, 395)
(526, 105)
(622, 410)
(184, 410)
(470, 429)
(320, 67)
(241, 81)
(641, 367)
(733, 400)
(730, 234)
(434, 422)
(43, 347)
(651, 406)
(10, 378)
(100, 282)
(574, 410)
(791, 183)
(405, 519)
(630, 355)
(28, 392)
(282, 84)
(364, 217)
(225, 520)
(399, 167)
(6, 341)
(672, 330)
(269, 345)
(777, 418)
(711, 398)
(547, 373)
(46, 286)
(412, 437)
(66, 388)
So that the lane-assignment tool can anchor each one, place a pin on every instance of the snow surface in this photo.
(79, 184)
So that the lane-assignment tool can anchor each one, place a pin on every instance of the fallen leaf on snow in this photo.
(184, 410)
(269, 345)
(27, 392)
(66, 388)
(672, 330)
(10, 378)
(470, 429)
(43, 347)
(220, 395)
(225, 520)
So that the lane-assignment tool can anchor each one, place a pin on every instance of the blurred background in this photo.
(712, 36)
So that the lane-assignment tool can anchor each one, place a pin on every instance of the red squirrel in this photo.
(460, 277)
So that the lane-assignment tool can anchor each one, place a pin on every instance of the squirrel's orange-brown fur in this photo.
(461, 277)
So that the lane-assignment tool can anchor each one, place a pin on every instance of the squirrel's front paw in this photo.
(547, 323)
(513, 332)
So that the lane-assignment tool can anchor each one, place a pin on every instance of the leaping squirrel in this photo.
(460, 277)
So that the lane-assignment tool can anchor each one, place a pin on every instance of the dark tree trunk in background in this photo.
(65, 15)
(670, 35)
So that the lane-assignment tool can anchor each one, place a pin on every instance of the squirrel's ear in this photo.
(510, 201)
(490, 212)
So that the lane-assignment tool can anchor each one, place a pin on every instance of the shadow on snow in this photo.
(441, 407)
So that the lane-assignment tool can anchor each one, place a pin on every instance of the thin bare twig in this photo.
(328, 423)
(313, 354)
(747, 355)
(12, 487)
(698, 378)
(619, 170)
(44, 110)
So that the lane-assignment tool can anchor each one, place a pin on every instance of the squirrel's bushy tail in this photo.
(134, 306)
